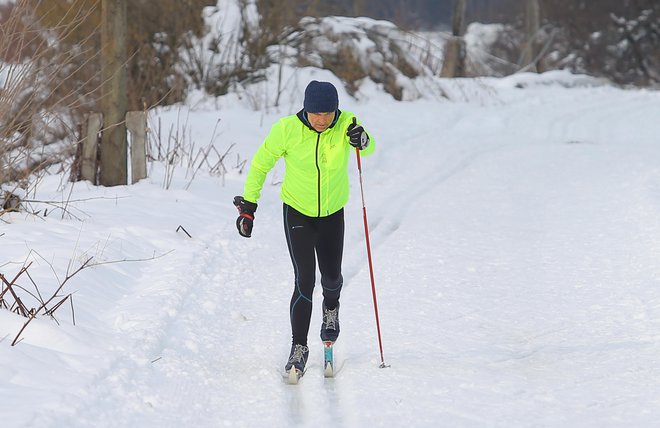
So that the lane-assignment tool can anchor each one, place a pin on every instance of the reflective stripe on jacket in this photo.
(316, 164)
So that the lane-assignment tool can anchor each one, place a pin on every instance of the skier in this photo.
(316, 144)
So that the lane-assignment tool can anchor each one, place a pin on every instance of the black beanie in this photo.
(321, 97)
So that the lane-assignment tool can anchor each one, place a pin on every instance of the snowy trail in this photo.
(546, 257)
(534, 316)
(515, 249)
(222, 332)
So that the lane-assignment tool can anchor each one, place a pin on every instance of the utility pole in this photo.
(114, 151)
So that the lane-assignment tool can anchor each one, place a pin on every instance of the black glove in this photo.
(245, 218)
(358, 137)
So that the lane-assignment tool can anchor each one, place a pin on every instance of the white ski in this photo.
(294, 376)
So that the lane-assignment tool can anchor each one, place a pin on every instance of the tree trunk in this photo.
(114, 169)
(530, 59)
(359, 8)
(453, 64)
(458, 19)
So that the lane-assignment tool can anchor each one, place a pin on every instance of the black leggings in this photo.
(309, 239)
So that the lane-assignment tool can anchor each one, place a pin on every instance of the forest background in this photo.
(50, 71)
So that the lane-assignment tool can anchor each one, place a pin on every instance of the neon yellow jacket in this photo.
(316, 164)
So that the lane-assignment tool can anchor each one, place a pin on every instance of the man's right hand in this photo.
(245, 218)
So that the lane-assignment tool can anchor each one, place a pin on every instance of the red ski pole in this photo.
(371, 268)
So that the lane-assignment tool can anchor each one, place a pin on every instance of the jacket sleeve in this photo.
(262, 162)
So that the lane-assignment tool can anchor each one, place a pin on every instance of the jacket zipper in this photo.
(318, 176)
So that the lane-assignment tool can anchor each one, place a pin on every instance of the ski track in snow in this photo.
(517, 277)
(500, 338)
(198, 362)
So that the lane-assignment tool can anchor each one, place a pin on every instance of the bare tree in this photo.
(35, 110)
(359, 8)
(617, 39)
(455, 52)
(530, 53)
(114, 152)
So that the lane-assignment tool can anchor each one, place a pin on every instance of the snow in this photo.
(479, 36)
(514, 235)
(513, 226)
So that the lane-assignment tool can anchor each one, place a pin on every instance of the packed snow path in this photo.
(516, 247)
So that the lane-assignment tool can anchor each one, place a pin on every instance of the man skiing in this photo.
(316, 144)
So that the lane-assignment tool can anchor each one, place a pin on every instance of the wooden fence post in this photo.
(89, 161)
(136, 122)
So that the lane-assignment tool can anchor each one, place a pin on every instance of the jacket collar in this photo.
(302, 115)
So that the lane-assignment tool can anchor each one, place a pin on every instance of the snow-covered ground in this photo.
(516, 244)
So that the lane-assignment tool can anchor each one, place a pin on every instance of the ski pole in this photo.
(371, 268)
